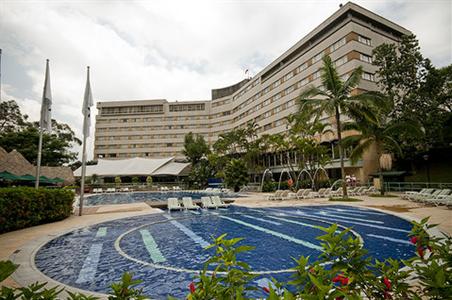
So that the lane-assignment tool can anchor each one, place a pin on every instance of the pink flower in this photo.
(192, 287)
(266, 289)
(387, 295)
(414, 240)
(387, 283)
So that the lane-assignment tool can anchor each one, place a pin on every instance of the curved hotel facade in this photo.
(156, 128)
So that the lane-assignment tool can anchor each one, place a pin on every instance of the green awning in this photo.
(5, 175)
(58, 180)
(27, 177)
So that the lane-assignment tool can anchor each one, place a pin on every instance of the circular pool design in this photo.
(167, 250)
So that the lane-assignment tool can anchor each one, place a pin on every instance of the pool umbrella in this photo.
(5, 175)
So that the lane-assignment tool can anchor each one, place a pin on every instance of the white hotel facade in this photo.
(156, 128)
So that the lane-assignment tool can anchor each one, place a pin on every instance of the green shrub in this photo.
(22, 207)
(268, 187)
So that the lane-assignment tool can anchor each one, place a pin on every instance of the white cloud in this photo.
(178, 50)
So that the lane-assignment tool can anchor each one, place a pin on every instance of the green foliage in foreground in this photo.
(342, 271)
(22, 207)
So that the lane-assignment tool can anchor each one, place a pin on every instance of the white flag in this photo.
(46, 105)
(87, 103)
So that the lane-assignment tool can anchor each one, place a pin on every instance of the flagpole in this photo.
(38, 165)
(86, 105)
(82, 184)
(45, 94)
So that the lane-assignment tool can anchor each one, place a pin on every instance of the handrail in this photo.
(415, 186)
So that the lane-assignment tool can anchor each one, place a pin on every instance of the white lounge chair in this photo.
(304, 194)
(216, 200)
(206, 202)
(173, 204)
(420, 197)
(275, 196)
(111, 190)
(188, 203)
(409, 194)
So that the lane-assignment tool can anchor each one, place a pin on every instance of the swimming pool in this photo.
(165, 250)
(132, 197)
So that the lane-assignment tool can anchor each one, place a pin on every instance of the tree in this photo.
(195, 147)
(18, 134)
(94, 178)
(149, 181)
(118, 181)
(373, 126)
(199, 174)
(135, 180)
(236, 174)
(11, 118)
(334, 98)
(419, 91)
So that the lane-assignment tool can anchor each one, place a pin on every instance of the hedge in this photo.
(22, 207)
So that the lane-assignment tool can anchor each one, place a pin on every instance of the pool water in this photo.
(166, 250)
(132, 197)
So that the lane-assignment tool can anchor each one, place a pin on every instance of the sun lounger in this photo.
(409, 194)
(275, 196)
(216, 200)
(206, 202)
(111, 190)
(173, 204)
(420, 197)
(436, 199)
(188, 203)
(304, 194)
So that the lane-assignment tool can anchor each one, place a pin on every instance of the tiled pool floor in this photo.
(165, 250)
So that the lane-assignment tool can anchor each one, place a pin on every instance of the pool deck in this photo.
(21, 245)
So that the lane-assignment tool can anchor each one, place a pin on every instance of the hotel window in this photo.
(316, 75)
(303, 82)
(317, 58)
(302, 67)
(365, 58)
(276, 97)
(290, 89)
(288, 76)
(341, 61)
(364, 40)
(368, 76)
(338, 44)
(276, 83)
(345, 77)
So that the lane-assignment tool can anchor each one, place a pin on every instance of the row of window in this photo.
(133, 146)
(132, 109)
(187, 107)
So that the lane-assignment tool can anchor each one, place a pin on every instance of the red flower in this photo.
(420, 251)
(429, 248)
(266, 289)
(312, 270)
(341, 278)
(192, 287)
(387, 283)
(413, 240)
(339, 298)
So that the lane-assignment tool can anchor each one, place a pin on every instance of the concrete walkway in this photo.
(21, 245)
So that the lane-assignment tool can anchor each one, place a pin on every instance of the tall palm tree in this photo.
(374, 127)
(334, 98)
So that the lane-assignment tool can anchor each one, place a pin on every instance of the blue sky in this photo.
(176, 50)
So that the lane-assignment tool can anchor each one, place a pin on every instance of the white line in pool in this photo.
(300, 213)
(348, 218)
(260, 219)
(196, 238)
(89, 267)
(152, 246)
(275, 233)
(389, 239)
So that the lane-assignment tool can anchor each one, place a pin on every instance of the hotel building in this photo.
(156, 128)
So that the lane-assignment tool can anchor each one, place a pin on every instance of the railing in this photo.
(415, 186)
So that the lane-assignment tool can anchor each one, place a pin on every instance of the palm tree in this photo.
(334, 98)
(374, 127)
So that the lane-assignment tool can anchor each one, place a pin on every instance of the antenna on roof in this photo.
(340, 5)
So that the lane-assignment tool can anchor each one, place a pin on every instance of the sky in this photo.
(174, 50)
